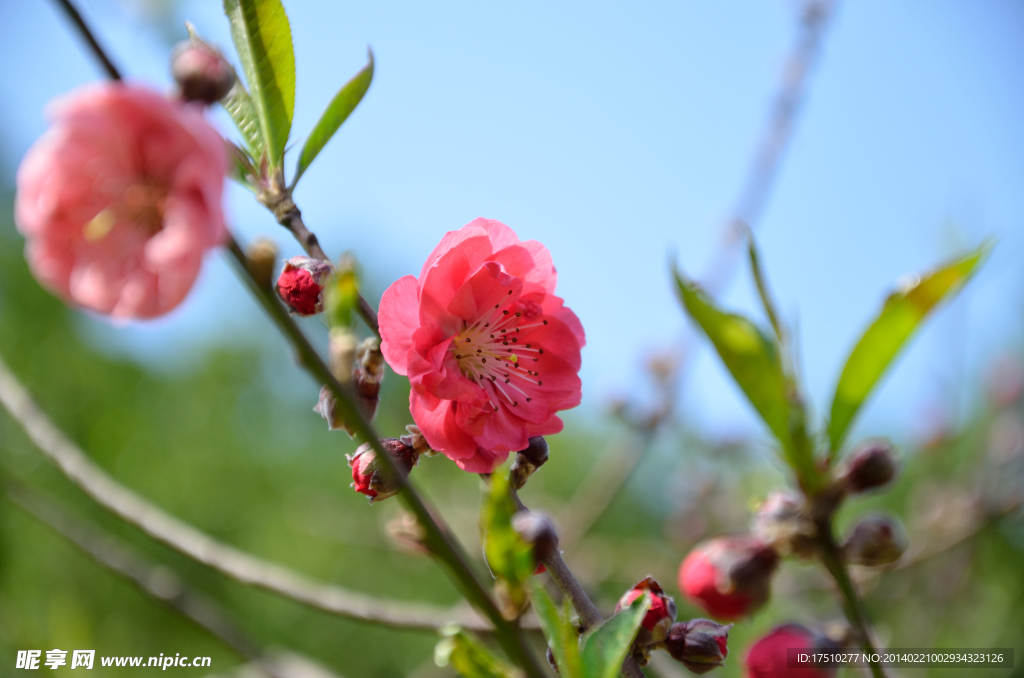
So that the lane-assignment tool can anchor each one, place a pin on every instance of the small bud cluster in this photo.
(361, 366)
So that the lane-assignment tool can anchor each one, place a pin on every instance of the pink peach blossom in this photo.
(491, 353)
(120, 200)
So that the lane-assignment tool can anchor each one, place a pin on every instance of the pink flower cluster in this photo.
(491, 352)
(120, 200)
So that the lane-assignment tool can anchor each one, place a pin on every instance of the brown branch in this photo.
(156, 580)
(775, 138)
(186, 539)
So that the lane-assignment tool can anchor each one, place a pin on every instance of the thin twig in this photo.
(589, 615)
(156, 580)
(438, 538)
(774, 143)
(186, 539)
(609, 474)
(853, 606)
(97, 50)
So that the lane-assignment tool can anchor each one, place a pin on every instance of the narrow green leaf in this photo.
(881, 342)
(341, 106)
(469, 657)
(263, 38)
(559, 631)
(606, 648)
(750, 356)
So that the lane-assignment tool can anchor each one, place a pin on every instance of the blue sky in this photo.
(619, 135)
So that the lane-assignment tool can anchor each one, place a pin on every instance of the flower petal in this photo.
(398, 318)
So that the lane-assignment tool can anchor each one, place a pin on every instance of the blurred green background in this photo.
(229, 443)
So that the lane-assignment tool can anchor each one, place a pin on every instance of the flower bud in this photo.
(260, 258)
(875, 541)
(301, 284)
(729, 577)
(783, 523)
(551, 660)
(769, 656)
(201, 72)
(537, 531)
(871, 465)
(528, 461)
(371, 476)
(700, 644)
(660, 615)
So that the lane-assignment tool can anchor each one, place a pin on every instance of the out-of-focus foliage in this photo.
(228, 442)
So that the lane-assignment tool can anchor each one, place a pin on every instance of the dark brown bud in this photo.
(782, 521)
(201, 72)
(872, 464)
(537, 531)
(699, 644)
(875, 541)
(528, 461)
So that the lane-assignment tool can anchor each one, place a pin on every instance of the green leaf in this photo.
(751, 357)
(509, 557)
(881, 342)
(606, 648)
(239, 106)
(560, 632)
(341, 106)
(263, 38)
(469, 657)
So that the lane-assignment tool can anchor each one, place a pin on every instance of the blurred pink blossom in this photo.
(121, 198)
(491, 353)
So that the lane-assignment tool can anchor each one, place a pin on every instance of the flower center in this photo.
(142, 205)
(493, 353)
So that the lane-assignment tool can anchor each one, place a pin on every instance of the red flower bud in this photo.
(700, 644)
(301, 284)
(660, 614)
(769, 656)
(871, 465)
(201, 72)
(729, 577)
(370, 475)
(874, 541)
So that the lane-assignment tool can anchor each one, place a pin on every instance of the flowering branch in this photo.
(438, 538)
(202, 548)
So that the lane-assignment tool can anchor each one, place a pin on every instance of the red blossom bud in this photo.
(301, 285)
(537, 531)
(875, 541)
(729, 577)
(201, 72)
(700, 644)
(769, 656)
(660, 615)
(371, 476)
(871, 465)
(783, 523)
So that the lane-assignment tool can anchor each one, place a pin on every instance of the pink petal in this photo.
(399, 318)
(436, 420)
(531, 262)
